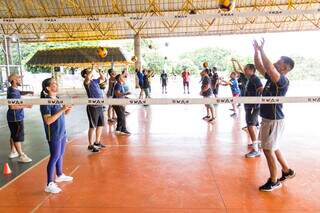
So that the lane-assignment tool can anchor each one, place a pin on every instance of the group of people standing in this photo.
(245, 82)
(54, 126)
(53, 116)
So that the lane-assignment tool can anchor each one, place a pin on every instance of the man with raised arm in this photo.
(94, 112)
(272, 124)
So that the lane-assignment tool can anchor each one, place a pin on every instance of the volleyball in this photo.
(134, 58)
(102, 52)
(205, 64)
(227, 5)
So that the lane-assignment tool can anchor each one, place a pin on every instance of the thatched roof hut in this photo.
(77, 57)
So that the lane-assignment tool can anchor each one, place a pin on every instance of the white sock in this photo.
(255, 146)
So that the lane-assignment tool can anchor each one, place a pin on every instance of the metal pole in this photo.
(6, 56)
(20, 65)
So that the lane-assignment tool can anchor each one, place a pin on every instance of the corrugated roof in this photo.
(77, 57)
(151, 18)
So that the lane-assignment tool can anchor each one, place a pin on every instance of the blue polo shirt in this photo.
(93, 89)
(14, 115)
(234, 86)
(251, 89)
(280, 88)
(140, 78)
(118, 87)
(57, 130)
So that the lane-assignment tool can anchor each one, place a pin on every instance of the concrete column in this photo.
(137, 51)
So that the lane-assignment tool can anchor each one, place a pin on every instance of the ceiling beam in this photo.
(172, 17)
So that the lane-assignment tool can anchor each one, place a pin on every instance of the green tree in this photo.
(217, 57)
(185, 63)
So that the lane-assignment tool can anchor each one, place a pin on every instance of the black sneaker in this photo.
(93, 148)
(125, 132)
(233, 115)
(285, 176)
(270, 186)
(99, 145)
(205, 117)
(212, 119)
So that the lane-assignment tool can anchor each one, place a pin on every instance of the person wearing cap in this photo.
(94, 112)
(120, 110)
(15, 116)
(56, 135)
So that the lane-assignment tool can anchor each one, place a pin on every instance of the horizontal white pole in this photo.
(162, 101)
(136, 18)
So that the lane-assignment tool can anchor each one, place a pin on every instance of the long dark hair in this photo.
(45, 83)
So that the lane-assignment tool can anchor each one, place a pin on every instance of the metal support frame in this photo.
(8, 57)
(171, 17)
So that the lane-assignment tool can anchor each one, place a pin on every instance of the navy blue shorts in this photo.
(16, 131)
(252, 116)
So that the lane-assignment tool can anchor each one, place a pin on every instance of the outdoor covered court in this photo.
(173, 161)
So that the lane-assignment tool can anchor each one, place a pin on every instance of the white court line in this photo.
(17, 177)
(48, 196)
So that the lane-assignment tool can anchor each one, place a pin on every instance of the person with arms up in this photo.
(233, 83)
(206, 92)
(146, 83)
(15, 117)
(120, 110)
(215, 82)
(253, 88)
(111, 113)
(242, 78)
(94, 112)
(139, 75)
(56, 135)
(272, 124)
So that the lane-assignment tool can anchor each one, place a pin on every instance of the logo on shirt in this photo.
(224, 100)
(95, 101)
(270, 100)
(180, 101)
(137, 102)
(15, 102)
(55, 101)
(314, 100)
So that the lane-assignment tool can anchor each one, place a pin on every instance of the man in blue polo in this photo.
(272, 124)
(140, 82)
(15, 116)
(94, 112)
(119, 92)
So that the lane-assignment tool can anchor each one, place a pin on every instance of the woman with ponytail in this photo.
(54, 125)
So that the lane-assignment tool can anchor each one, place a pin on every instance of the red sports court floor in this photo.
(176, 162)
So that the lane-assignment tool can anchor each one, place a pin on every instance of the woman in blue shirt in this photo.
(54, 125)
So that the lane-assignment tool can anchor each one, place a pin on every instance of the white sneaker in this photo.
(52, 188)
(13, 155)
(63, 178)
(24, 159)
